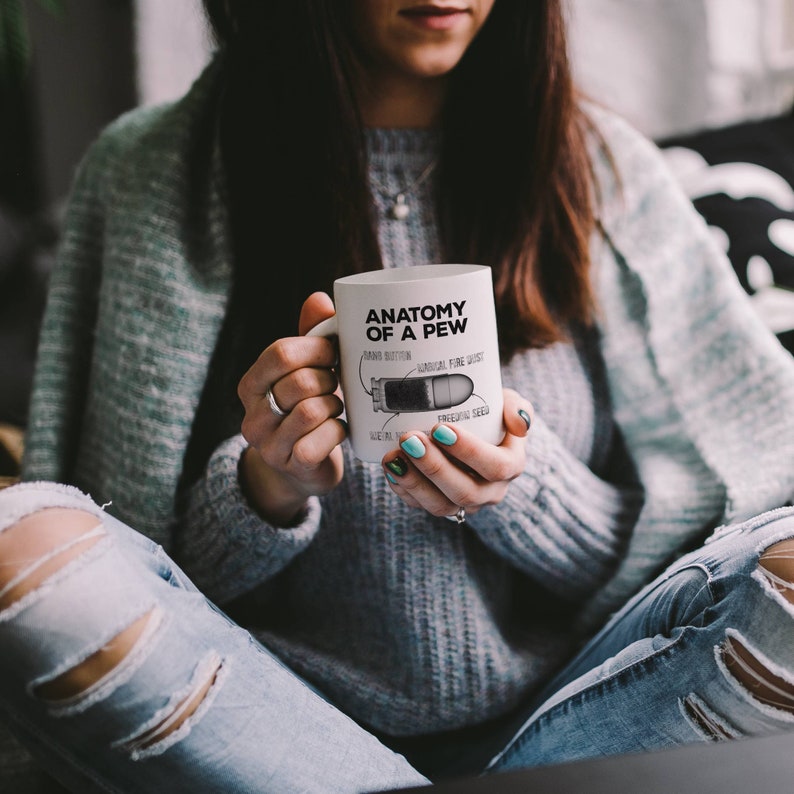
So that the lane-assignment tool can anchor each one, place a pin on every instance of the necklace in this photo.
(400, 209)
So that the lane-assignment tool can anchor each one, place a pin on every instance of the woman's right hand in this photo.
(296, 456)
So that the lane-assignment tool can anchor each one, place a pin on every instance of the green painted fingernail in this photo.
(525, 416)
(398, 466)
(445, 435)
(414, 447)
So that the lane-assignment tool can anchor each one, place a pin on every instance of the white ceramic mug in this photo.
(417, 346)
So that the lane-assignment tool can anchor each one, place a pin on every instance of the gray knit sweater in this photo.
(409, 623)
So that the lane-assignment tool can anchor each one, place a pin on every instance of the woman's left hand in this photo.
(452, 468)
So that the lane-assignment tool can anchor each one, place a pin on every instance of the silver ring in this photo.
(274, 406)
(459, 516)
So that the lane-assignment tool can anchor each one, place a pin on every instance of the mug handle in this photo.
(326, 328)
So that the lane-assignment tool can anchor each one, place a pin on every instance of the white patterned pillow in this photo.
(741, 179)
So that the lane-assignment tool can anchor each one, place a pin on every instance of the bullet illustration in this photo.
(402, 395)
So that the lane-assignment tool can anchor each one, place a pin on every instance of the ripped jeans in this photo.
(120, 676)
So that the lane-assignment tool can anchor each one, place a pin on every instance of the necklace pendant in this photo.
(400, 209)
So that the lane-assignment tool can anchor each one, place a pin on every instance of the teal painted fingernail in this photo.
(445, 435)
(525, 416)
(413, 446)
(390, 478)
(398, 466)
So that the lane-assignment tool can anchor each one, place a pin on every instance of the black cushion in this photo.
(741, 179)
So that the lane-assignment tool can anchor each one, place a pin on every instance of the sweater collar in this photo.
(401, 144)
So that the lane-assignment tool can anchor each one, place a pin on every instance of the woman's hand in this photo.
(452, 468)
(295, 456)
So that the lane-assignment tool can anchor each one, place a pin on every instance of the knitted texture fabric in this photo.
(672, 416)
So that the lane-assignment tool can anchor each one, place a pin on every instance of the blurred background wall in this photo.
(172, 46)
(675, 66)
(78, 72)
(670, 66)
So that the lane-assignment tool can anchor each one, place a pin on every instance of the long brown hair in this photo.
(515, 176)
(514, 179)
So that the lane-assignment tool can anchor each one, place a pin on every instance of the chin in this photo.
(428, 65)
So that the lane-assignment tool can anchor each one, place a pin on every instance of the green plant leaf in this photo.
(14, 41)
(53, 6)
(15, 46)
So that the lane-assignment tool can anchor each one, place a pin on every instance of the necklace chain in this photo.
(400, 209)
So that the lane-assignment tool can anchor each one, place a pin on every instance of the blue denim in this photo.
(260, 728)
(636, 684)
(652, 678)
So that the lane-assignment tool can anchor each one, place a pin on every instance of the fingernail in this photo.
(345, 425)
(526, 417)
(390, 478)
(398, 466)
(413, 446)
(445, 435)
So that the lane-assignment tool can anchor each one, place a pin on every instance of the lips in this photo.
(433, 10)
(435, 17)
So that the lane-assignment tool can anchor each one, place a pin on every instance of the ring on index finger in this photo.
(274, 406)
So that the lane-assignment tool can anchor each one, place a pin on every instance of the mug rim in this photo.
(409, 275)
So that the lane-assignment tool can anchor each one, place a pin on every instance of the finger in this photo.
(301, 385)
(309, 414)
(394, 484)
(316, 308)
(414, 488)
(493, 464)
(313, 449)
(281, 358)
(276, 438)
(518, 413)
(436, 482)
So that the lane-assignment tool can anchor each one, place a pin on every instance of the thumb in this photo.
(518, 413)
(317, 307)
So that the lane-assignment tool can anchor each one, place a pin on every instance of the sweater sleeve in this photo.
(222, 543)
(560, 523)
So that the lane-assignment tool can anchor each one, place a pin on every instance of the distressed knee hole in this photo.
(706, 722)
(39, 545)
(99, 664)
(764, 685)
(777, 565)
(175, 716)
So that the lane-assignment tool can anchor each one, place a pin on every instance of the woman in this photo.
(329, 138)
